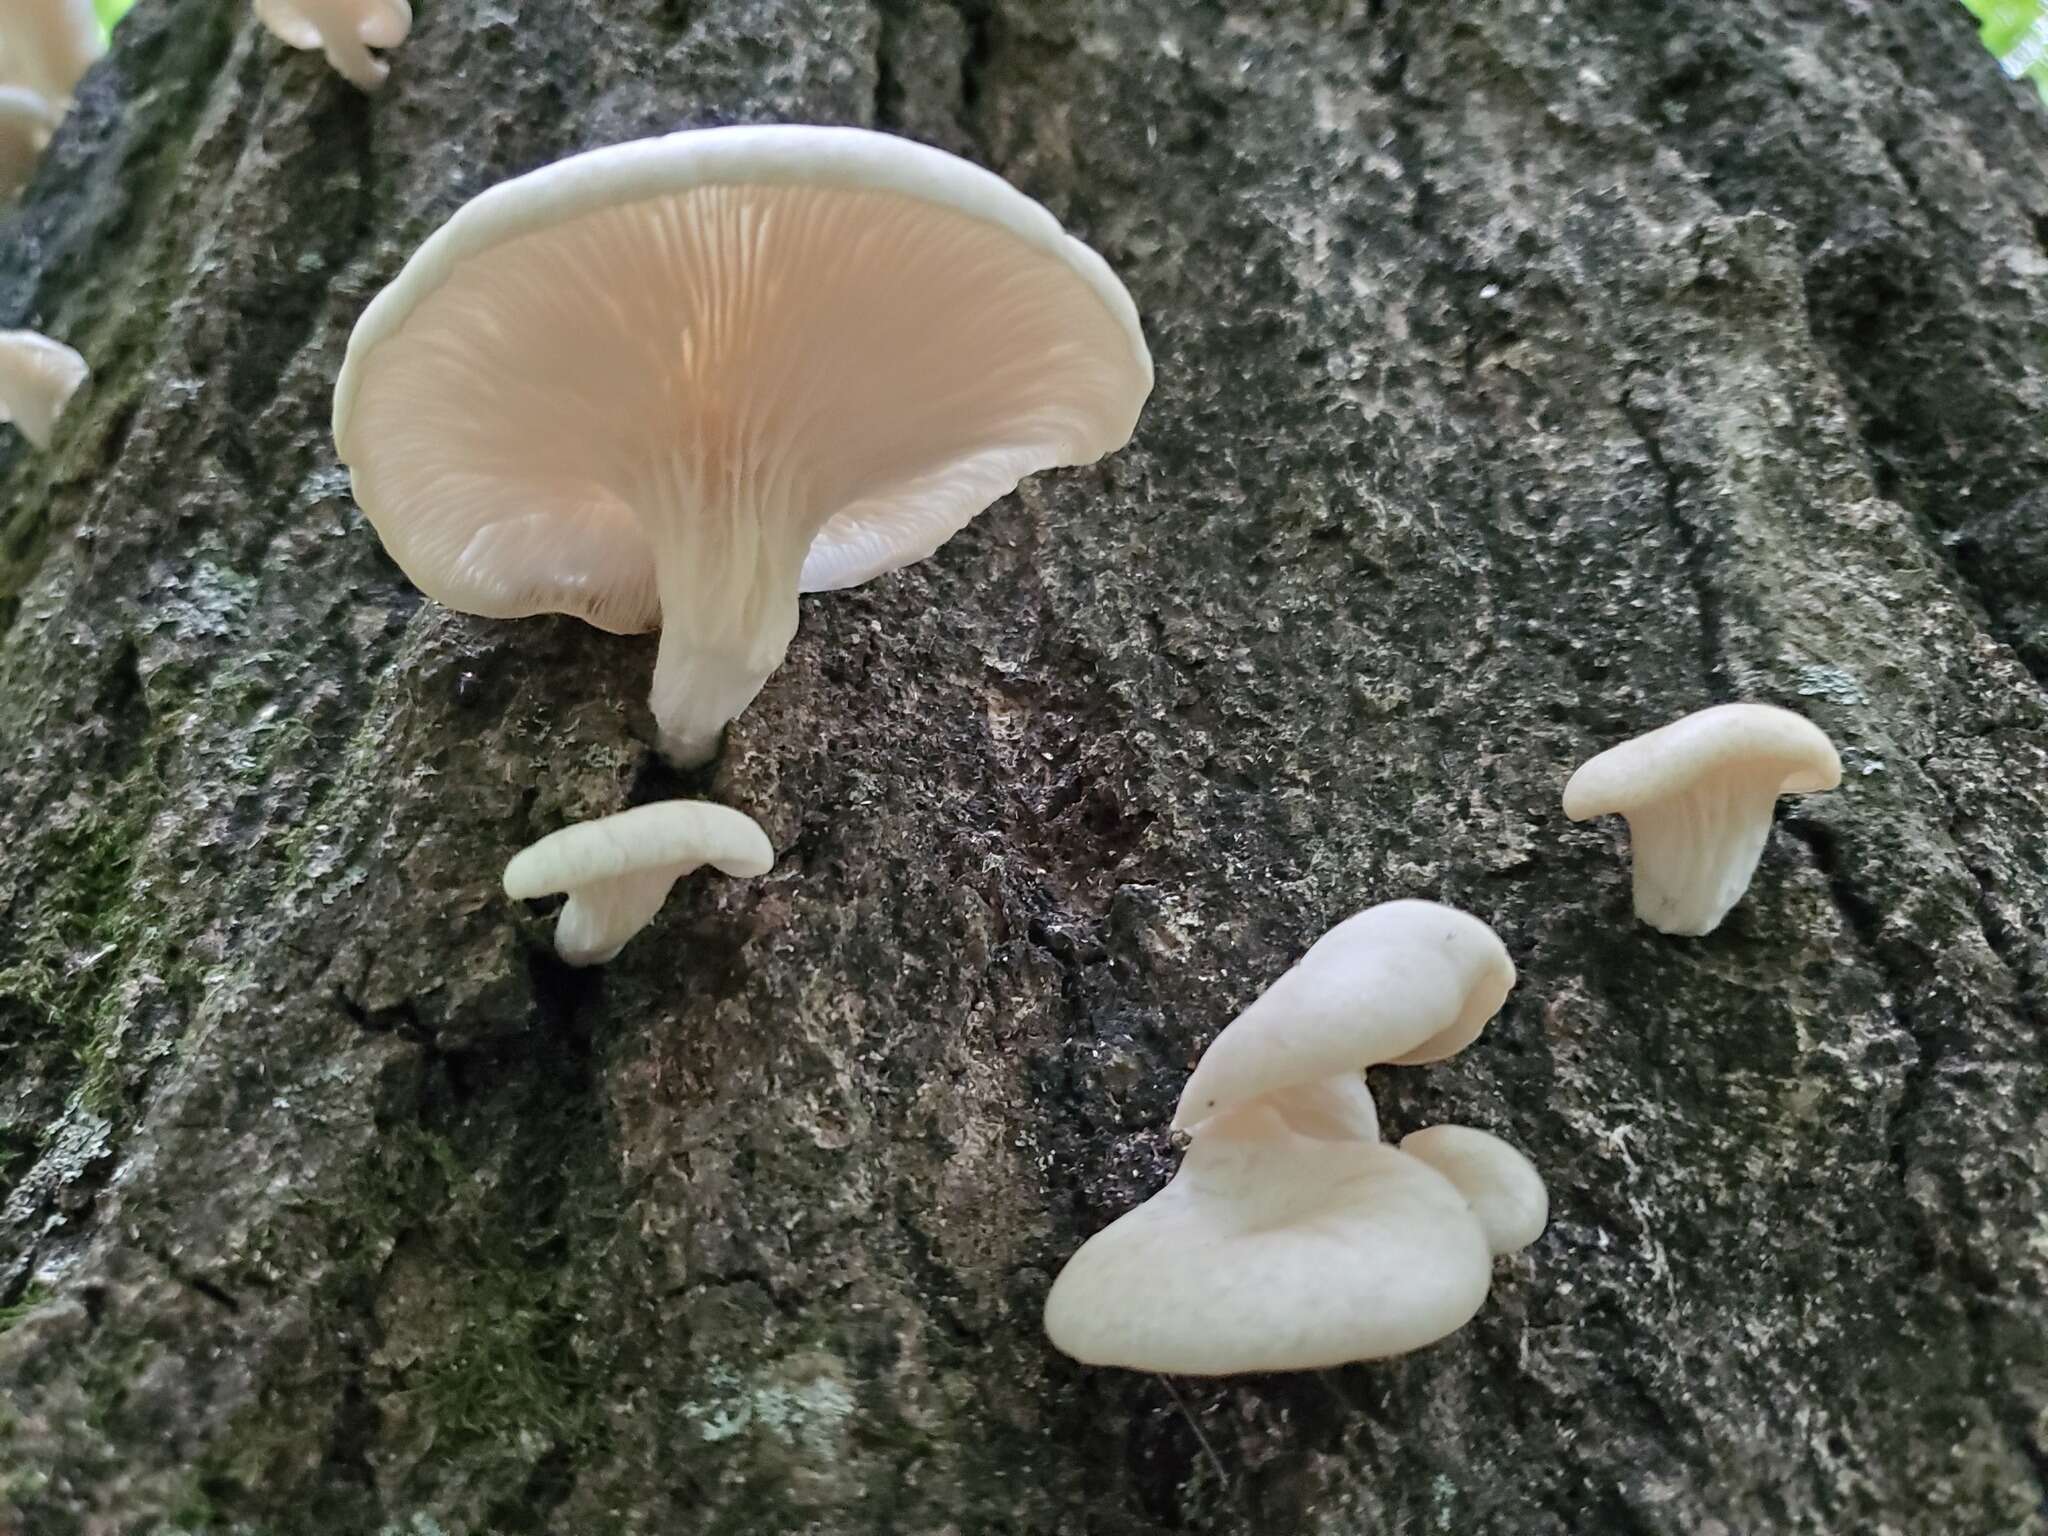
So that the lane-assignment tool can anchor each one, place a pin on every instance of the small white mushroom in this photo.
(38, 377)
(1404, 982)
(618, 870)
(1272, 1251)
(671, 384)
(1698, 795)
(26, 123)
(1503, 1188)
(48, 45)
(344, 30)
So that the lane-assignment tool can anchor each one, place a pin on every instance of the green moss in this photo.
(508, 1370)
(31, 1298)
(86, 929)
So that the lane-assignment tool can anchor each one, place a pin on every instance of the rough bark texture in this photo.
(1529, 373)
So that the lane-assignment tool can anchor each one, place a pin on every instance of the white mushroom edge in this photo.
(618, 870)
(1698, 795)
(1292, 1237)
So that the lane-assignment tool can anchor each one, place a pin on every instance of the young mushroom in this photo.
(1405, 982)
(48, 45)
(1697, 794)
(26, 123)
(618, 870)
(1274, 1251)
(1501, 1186)
(344, 30)
(674, 383)
(1291, 1237)
(38, 377)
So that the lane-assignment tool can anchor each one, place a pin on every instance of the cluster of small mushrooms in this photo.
(46, 46)
(673, 384)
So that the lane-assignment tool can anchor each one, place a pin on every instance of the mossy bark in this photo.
(1529, 373)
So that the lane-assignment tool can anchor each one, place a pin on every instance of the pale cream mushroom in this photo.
(344, 30)
(1274, 1251)
(619, 869)
(38, 377)
(1698, 795)
(48, 45)
(26, 123)
(676, 382)
(1502, 1187)
(1291, 1237)
(1405, 982)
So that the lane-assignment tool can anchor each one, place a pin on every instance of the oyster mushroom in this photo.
(1698, 794)
(1292, 1237)
(38, 377)
(344, 30)
(48, 45)
(671, 384)
(619, 869)
(1501, 1186)
(1405, 982)
(26, 123)
(1274, 1251)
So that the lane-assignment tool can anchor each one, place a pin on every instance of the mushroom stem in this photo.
(597, 920)
(728, 612)
(697, 692)
(1694, 855)
(347, 56)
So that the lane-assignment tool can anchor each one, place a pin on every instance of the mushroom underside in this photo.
(1695, 854)
(598, 919)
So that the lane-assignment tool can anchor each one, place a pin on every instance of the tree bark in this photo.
(1529, 374)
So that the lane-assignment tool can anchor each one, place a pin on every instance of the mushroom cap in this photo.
(1502, 1186)
(1337, 1108)
(1745, 739)
(670, 835)
(26, 121)
(871, 333)
(1405, 982)
(1274, 1252)
(48, 45)
(374, 23)
(38, 377)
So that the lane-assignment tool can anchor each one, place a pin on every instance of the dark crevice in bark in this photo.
(1865, 922)
(888, 104)
(978, 16)
(1694, 551)
(1933, 1244)
(193, 1281)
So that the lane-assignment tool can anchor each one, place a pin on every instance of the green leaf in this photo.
(2016, 32)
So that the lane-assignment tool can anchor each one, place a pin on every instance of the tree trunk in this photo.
(1529, 374)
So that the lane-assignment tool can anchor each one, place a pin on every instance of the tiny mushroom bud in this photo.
(344, 30)
(1503, 1188)
(26, 122)
(1272, 1251)
(674, 383)
(1698, 795)
(1405, 982)
(38, 377)
(617, 870)
(48, 45)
